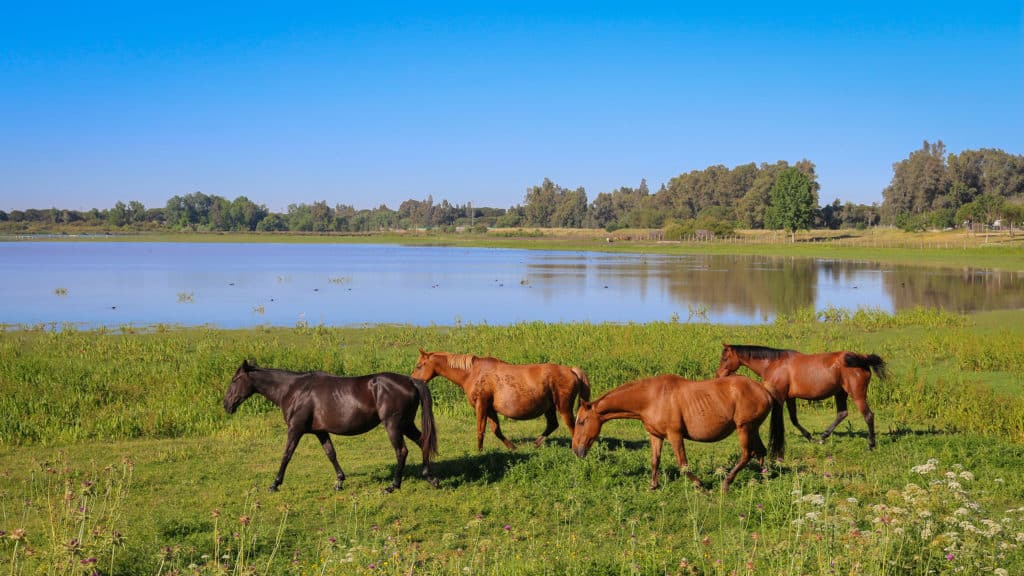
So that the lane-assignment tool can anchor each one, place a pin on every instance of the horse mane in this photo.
(760, 352)
(461, 361)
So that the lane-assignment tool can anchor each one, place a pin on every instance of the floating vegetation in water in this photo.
(186, 297)
(258, 309)
(339, 279)
(60, 291)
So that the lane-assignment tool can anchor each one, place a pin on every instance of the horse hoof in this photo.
(390, 489)
(433, 482)
(273, 488)
(337, 487)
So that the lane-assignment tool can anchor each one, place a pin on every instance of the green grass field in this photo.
(116, 457)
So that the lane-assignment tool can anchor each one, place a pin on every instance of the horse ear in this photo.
(246, 367)
(423, 352)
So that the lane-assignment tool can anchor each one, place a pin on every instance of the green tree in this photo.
(794, 202)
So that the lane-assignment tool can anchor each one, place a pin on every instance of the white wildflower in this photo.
(852, 500)
(816, 499)
(966, 475)
(1000, 572)
(925, 468)
(812, 516)
(961, 512)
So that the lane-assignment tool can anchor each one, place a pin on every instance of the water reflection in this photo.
(238, 285)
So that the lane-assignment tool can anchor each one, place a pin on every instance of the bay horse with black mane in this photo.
(674, 408)
(322, 404)
(842, 374)
(518, 391)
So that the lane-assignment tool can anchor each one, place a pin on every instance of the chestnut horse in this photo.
(811, 377)
(674, 408)
(518, 391)
(323, 404)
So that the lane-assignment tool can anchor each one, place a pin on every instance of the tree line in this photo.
(929, 189)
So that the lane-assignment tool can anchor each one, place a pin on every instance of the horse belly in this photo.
(704, 420)
(520, 404)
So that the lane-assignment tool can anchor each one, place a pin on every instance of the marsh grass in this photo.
(178, 487)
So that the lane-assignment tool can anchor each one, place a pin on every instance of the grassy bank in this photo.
(958, 249)
(118, 458)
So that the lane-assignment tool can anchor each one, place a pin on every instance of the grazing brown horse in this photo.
(323, 404)
(519, 391)
(674, 408)
(811, 377)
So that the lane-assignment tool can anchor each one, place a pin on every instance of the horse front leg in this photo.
(656, 442)
(676, 439)
(841, 414)
(289, 449)
(484, 412)
(325, 441)
(551, 417)
(791, 408)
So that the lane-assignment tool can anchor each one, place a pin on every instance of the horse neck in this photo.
(456, 375)
(758, 365)
(272, 384)
(620, 403)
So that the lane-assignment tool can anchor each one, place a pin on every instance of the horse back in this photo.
(350, 405)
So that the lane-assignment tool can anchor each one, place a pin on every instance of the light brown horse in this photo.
(841, 374)
(519, 391)
(674, 408)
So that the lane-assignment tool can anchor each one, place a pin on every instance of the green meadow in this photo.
(116, 457)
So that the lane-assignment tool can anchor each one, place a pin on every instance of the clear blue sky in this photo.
(374, 103)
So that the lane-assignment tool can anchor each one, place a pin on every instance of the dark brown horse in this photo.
(323, 404)
(677, 409)
(841, 374)
(519, 391)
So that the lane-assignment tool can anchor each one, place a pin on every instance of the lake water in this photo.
(240, 285)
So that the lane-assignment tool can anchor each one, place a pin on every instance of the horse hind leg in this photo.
(325, 441)
(401, 452)
(747, 447)
(841, 413)
(551, 417)
(869, 419)
(413, 433)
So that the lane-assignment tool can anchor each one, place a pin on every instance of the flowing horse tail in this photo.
(584, 383)
(776, 425)
(867, 362)
(429, 438)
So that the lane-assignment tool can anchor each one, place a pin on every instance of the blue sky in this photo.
(374, 103)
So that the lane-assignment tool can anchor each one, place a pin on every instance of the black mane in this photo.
(760, 352)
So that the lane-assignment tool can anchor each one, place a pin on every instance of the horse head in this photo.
(588, 426)
(729, 363)
(426, 366)
(240, 388)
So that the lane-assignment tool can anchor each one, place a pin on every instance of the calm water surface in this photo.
(241, 285)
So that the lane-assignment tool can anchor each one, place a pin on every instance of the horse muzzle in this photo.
(580, 451)
(230, 406)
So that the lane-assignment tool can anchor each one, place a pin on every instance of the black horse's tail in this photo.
(429, 438)
(867, 362)
(581, 377)
(776, 429)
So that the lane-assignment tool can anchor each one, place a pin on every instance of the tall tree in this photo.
(794, 202)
